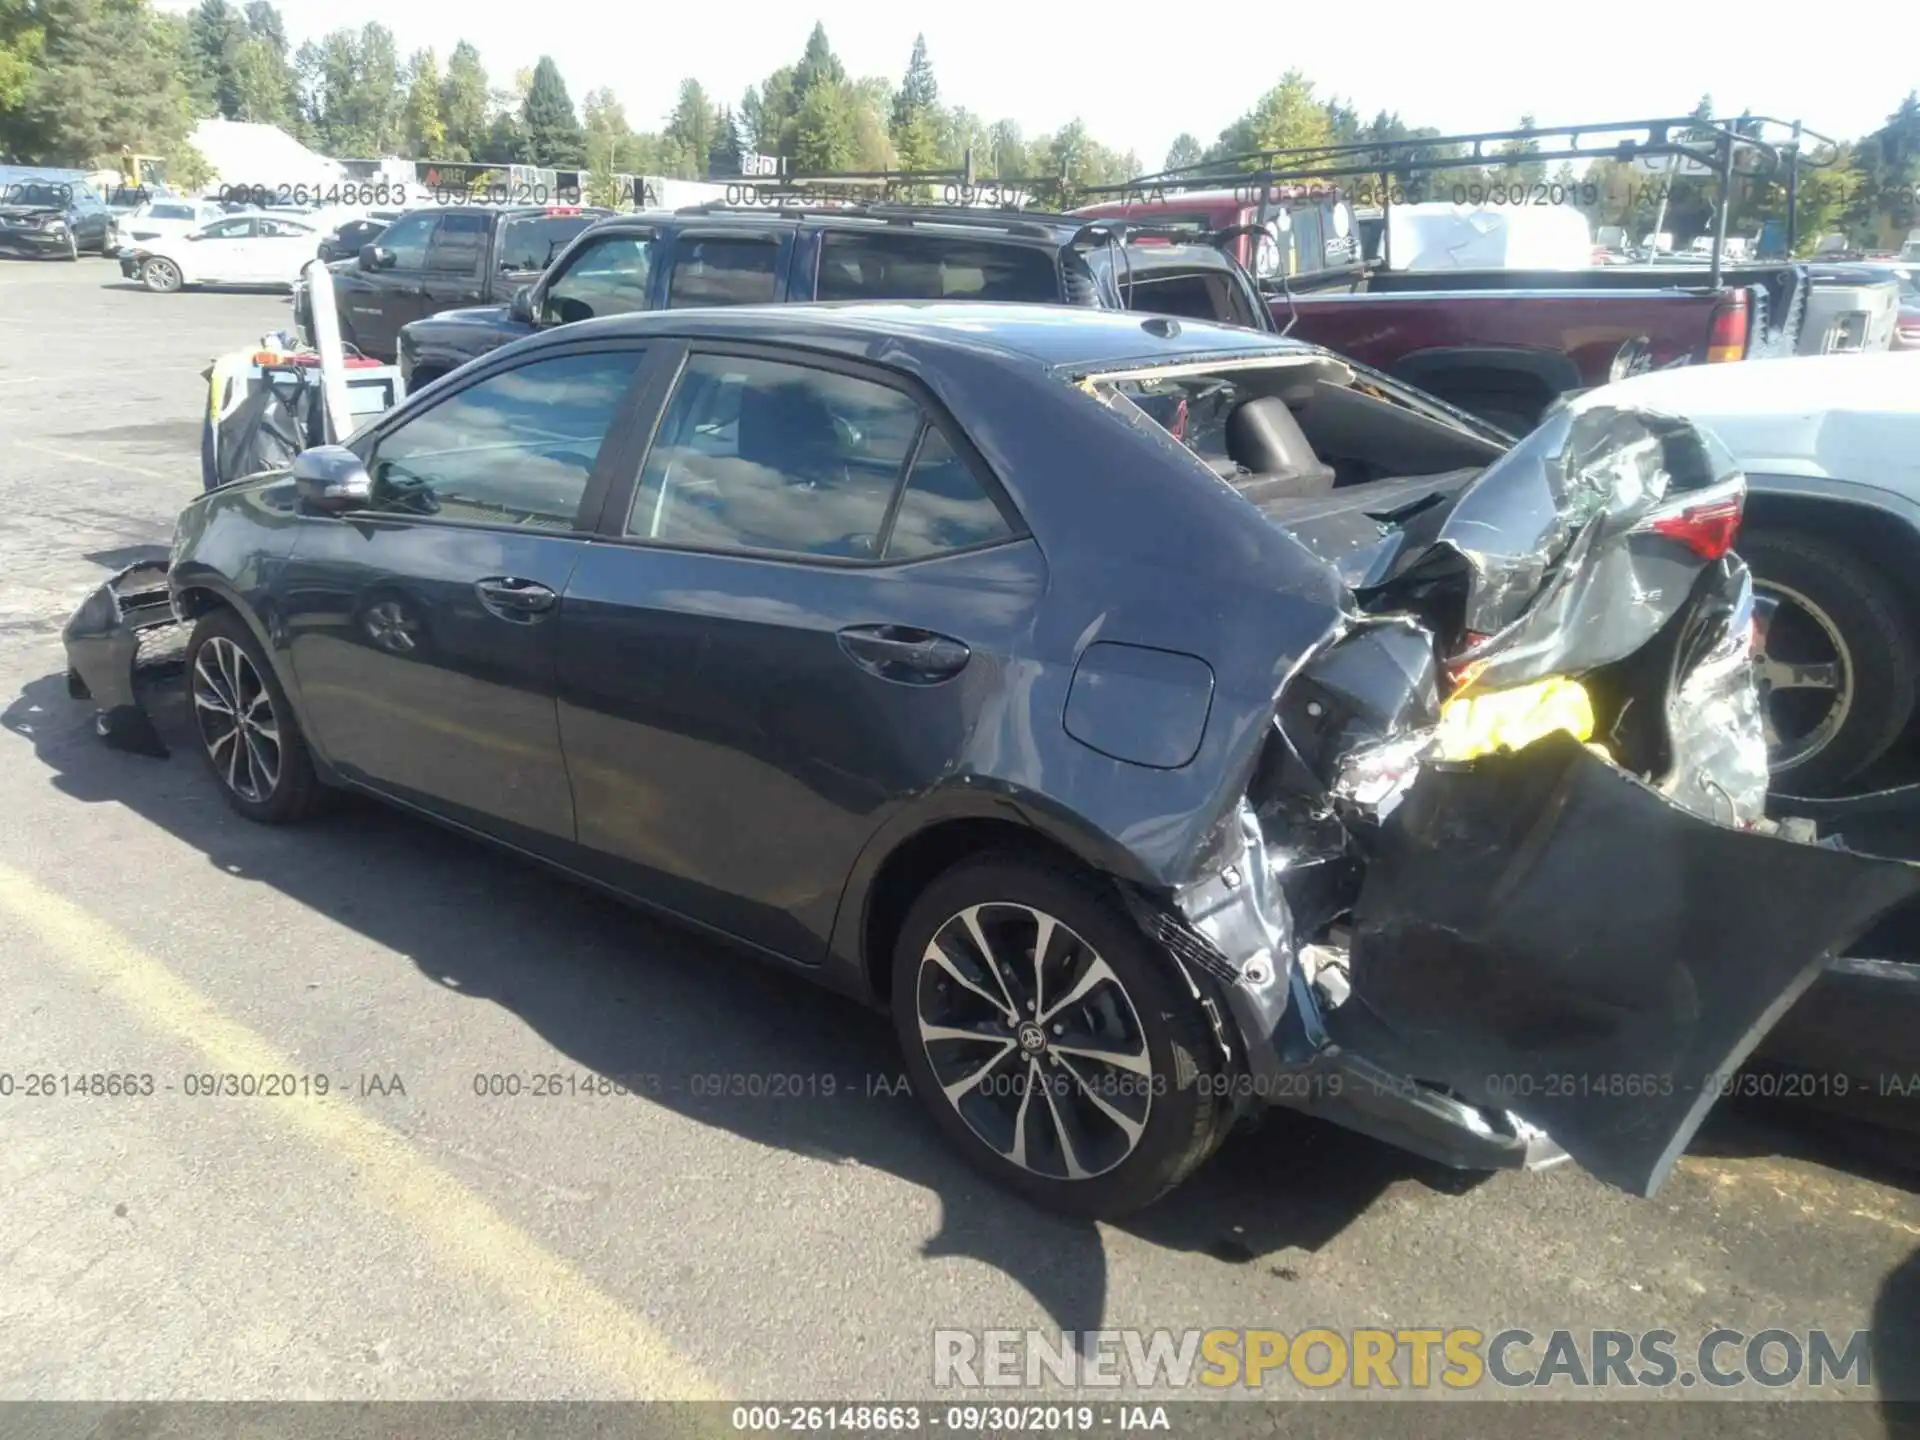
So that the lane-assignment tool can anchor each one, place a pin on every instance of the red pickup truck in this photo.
(1504, 344)
(1501, 343)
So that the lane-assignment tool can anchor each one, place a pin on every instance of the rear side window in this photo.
(856, 266)
(1204, 295)
(717, 271)
(531, 242)
(762, 456)
(609, 276)
(459, 244)
(944, 506)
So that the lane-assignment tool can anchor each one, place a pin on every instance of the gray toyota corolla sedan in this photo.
(1162, 720)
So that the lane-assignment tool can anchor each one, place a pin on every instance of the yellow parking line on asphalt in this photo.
(455, 1222)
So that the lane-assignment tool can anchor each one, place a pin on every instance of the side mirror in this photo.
(332, 479)
(520, 307)
(373, 257)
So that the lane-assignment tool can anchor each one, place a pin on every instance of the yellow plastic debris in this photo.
(1472, 725)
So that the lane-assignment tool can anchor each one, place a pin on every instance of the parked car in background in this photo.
(1831, 448)
(747, 255)
(53, 217)
(1906, 323)
(241, 250)
(159, 220)
(1852, 309)
(441, 258)
(1065, 682)
(345, 240)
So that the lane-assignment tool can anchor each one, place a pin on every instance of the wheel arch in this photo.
(1888, 540)
(914, 847)
(201, 591)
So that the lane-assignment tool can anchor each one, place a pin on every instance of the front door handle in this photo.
(512, 598)
(904, 654)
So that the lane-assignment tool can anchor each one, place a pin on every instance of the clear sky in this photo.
(1140, 74)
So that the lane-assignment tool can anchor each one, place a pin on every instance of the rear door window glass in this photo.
(856, 266)
(710, 270)
(459, 244)
(767, 457)
(944, 507)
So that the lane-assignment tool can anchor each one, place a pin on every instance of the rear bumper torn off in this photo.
(1546, 952)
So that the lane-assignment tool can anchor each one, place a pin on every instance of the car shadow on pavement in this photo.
(1896, 1349)
(623, 994)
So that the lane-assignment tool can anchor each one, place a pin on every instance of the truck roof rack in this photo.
(1074, 230)
(1724, 150)
(959, 187)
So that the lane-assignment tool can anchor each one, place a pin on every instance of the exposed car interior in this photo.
(1293, 430)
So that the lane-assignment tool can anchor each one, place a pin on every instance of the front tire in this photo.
(1836, 661)
(161, 276)
(1050, 1040)
(247, 730)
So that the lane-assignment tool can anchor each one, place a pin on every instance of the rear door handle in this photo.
(905, 654)
(512, 598)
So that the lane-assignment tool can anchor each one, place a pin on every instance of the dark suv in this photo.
(438, 258)
(720, 255)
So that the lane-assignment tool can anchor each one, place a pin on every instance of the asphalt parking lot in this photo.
(413, 1238)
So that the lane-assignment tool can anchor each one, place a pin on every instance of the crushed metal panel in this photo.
(1541, 933)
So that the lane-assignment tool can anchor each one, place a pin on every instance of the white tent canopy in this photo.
(264, 155)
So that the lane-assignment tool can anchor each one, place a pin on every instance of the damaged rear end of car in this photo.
(1500, 887)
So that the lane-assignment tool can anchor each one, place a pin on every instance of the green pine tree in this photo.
(553, 132)
(915, 127)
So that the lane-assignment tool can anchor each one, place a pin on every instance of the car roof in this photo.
(1070, 337)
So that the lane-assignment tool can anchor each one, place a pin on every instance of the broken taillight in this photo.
(1707, 529)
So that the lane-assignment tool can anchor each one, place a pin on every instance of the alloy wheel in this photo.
(162, 275)
(1804, 671)
(234, 710)
(1034, 1041)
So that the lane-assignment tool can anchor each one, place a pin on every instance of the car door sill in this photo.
(582, 877)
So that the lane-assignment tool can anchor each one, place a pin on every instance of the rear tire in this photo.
(1030, 1102)
(1832, 598)
(247, 731)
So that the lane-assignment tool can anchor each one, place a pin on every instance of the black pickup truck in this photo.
(745, 255)
(440, 257)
